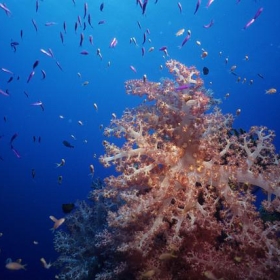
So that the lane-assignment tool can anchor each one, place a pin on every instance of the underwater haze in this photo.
(63, 68)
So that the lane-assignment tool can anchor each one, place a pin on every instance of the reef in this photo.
(182, 205)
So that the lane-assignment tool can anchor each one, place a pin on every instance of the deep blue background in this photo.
(26, 203)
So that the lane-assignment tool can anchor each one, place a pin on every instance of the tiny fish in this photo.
(133, 68)
(271, 91)
(35, 64)
(67, 144)
(101, 7)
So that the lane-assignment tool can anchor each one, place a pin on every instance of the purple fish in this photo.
(250, 22)
(44, 74)
(145, 3)
(113, 42)
(30, 76)
(7, 11)
(186, 39)
(4, 93)
(197, 6)
(164, 48)
(84, 52)
(15, 152)
(258, 13)
(209, 24)
(180, 7)
(38, 103)
(182, 87)
(209, 3)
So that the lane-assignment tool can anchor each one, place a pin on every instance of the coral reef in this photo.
(182, 206)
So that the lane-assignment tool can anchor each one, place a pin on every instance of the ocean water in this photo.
(68, 95)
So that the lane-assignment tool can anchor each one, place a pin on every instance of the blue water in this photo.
(25, 202)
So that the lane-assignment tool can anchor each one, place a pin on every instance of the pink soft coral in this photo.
(185, 185)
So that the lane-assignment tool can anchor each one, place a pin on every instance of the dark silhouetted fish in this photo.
(67, 144)
(67, 207)
(205, 71)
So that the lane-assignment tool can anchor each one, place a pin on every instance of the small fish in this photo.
(204, 54)
(144, 7)
(4, 7)
(35, 64)
(205, 71)
(57, 222)
(59, 180)
(35, 25)
(67, 144)
(58, 65)
(10, 79)
(182, 87)
(64, 27)
(209, 24)
(89, 20)
(144, 38)
(46, 52)
(84, 52)
(15, 265)
(33, 173)
(30, 76)
(238, 112)
(91, 168)
(98, 52)
(197, 6)
(167, 256)
(50, 23)
(44, 74)
(260, 75)
(62, 163)
(209, 3)
(4, 93)
(15, 152)
(13, 138)
(21, 33)
(85, 9)
(186, 39)
(101, 22)
(180, 7)
(45, 264)
(37, 6)
(180, 32)
(271, 91)
(143, 51)
(113, 43)
(61, 37)
(38, 103)
(7, 71)
(80, 123)
(133, 68)
(81, 39)
(250, 22)
(67, 207)
(139, 24)
(101, 7)
(90, 37)
(85, 83)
